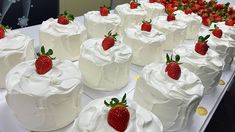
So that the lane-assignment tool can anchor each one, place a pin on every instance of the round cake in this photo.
(175, 31)
(172, 101)
(15, 47)
(130, 16)
(65, 40)
(105, 70)
(93, 118)
(97, 26)
(44, 102)
(146, 46)
(154, 9)
(207, 67)
(193, 22)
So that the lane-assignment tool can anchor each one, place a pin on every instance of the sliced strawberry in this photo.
(172, 68)
(109, 40)
(65, 18)
(118, 115)
(171, 17)
(146, 26)
(201, 46)
(43, 63)
(104, 11)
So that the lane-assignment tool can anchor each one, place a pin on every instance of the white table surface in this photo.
(8, 122)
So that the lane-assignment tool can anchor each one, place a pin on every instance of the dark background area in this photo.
(40, 10)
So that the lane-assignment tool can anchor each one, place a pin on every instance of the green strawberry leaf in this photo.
(43, 50)
(177, 58)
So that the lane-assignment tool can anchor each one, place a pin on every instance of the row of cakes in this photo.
(187, 98)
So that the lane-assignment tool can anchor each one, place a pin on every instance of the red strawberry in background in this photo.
(146, 26)
(187, 11)
(109, 40)
(169, 8)
(134, 5)
(104, 11)
(201, 46)
(172, 67)
(217, 32)
(184, 1)
(229, 22)
(65, 18)
(206, 21)
(171, 17)
(43, 63)
(152, 1)
(118, 115)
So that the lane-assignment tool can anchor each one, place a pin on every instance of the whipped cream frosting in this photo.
(111, 67)
(208, 67)
(93, 118)
(92, 50)
(98, 26)
(193, 22)
(15, 47)
(225, 46)
(65, 40)
(174, 30)
(130, 16)
(153, 9)
(146, 46)
(44, 102)
(172, 101)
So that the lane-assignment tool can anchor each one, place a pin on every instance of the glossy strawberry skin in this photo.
(201, 48)
(43, 64)
(171, 17)
(152, 1)
(104, 11)
(146, 27)
(229, 22)
(118, 118)
(2, 32)
(217, 33)
(173, 70)
(187, 11)
(108, 42)
(133, 5)
(63, 20)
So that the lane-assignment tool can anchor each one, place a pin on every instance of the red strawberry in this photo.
(184, 1)
(173, 69)
(217, 32)
(146, 26)
(201, 46)
(134, 5)
(104, 11)
(118, 115)
(43, 63)
(109, 40)
(169, 9)
(187, 11)
(171, 17)
(206, 21)
(229, 22)
(65, 18)
(2, 31)
(152, 1)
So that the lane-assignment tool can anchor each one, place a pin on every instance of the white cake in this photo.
(93, 118)
(130, 16)
(44, 102)
(172, 101)
(65, 40)
(225, 46)
(15, 47)
(207, 67)
(97, 26)
(153, 9)
(193, 22)
(146, 46)
(175, 31)
(105, 70)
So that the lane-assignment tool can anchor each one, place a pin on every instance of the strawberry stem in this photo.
(114, 102)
